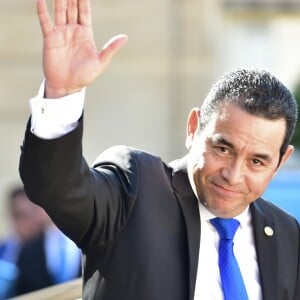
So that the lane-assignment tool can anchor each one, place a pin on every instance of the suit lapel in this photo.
(189, 206)
(267, 251)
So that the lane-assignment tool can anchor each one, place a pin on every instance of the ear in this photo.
(192, 126)
(289, 151)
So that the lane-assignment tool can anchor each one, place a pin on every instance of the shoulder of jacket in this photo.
(123, 156)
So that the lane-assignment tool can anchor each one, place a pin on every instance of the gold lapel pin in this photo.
(268, 231)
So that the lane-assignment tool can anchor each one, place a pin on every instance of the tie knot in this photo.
(225, 227)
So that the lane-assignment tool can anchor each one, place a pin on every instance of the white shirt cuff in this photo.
(53, 118)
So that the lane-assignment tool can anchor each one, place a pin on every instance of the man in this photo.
(25, 225)
(145, 227)
(49, 258)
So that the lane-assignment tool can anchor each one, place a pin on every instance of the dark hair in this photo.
(14, 194)
(257, 92)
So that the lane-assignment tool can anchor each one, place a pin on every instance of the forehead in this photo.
(241, 127)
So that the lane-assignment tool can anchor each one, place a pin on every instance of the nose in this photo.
(233, 173)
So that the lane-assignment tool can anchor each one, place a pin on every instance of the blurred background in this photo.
(177, 49)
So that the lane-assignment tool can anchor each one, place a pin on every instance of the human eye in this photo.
(221, 146)
(220, 149)
(256, 162)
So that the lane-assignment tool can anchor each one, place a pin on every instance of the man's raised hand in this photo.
(70, 57)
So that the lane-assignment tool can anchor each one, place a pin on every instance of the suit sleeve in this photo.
(90, 205)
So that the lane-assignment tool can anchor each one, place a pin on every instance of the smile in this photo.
(224, 191)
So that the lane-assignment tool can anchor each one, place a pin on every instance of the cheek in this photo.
(209, 164)
(202, 159)
(257, 185)
(201, 166)
(201, 172)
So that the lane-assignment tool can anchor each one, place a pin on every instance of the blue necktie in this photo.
(231, 277)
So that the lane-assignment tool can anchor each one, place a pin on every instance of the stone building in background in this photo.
(176, 50)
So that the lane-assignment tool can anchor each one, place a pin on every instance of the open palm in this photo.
(70, 57)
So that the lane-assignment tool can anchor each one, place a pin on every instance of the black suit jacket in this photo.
(137, 222)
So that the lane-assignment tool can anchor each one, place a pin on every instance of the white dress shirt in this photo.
(208, 283)
(52, 118)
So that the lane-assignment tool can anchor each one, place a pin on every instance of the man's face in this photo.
(232, 160)
(25, 218)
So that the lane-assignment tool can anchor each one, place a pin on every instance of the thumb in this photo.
(112, 47)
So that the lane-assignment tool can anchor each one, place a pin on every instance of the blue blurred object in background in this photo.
(284, 191)
(8, 275)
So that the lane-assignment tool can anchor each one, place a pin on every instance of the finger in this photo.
(44, 18)
(60, 12)
(84, 13)
(112, 47)
(72, 12)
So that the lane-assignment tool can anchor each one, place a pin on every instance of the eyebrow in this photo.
(218, 139)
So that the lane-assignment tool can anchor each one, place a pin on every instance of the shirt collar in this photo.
(206, 215)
